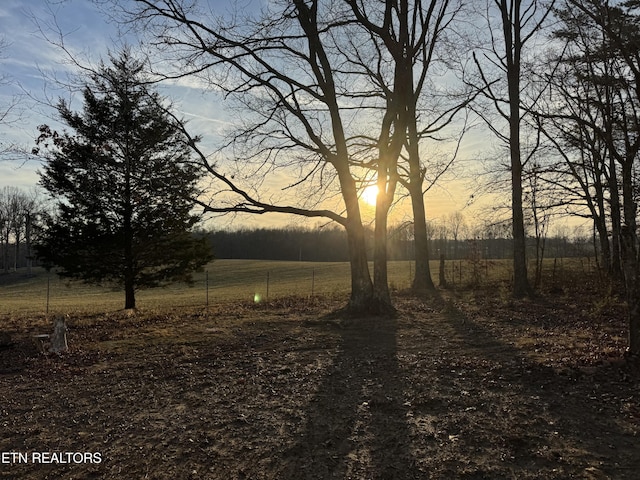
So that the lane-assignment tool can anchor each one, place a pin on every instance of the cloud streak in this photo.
(38, 68)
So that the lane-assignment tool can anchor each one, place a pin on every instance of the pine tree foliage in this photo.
(124, 186)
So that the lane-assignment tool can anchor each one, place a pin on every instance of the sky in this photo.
(34, 67)
(31, 64)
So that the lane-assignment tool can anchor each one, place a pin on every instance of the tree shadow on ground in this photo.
(356, 424)
(558, 420)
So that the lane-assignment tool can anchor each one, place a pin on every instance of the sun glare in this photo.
(369, 195)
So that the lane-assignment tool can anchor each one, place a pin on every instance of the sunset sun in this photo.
(369, 195)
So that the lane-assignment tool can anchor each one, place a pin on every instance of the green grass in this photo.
(239, 280)
(228, 280)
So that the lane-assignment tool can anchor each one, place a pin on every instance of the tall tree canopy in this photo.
(124, 186)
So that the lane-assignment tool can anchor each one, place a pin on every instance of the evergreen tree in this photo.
(124, 187)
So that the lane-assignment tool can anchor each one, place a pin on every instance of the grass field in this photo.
(239, 280)
(227, 280)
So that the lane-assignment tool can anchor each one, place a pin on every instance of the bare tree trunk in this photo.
(512, 30)
(361, 286)
(521, 285)
(391, 140)
(361, 299)
(601, 228)
(630, 258)
(616, 221)
(5, 255)
(16, 259)
(422, 280)
(28, 241)
(129, 296)
(386, 183)
(598, 212)
(129, 262)
(380, 279)
(632, 283)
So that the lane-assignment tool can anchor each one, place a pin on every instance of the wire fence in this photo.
(252, 281)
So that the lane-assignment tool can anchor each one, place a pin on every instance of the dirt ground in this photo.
(466, 385)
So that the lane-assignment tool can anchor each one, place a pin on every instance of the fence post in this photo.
(453, 272)
(313, 280)
(267, 296)
(48, 290)
(206, 283)
(441, 272)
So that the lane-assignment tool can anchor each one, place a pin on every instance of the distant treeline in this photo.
(330, 245)
(320, 245)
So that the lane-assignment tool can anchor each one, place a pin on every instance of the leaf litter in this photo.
(461, 386)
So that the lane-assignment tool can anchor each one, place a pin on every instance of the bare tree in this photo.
(587, 175)
(17, 212)
(619, 27)
(303, 73)
(431, 108)
(387, 26)
(541, 209)
(520, 22)
(457, 226)
(288, 69)
(580, 120)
